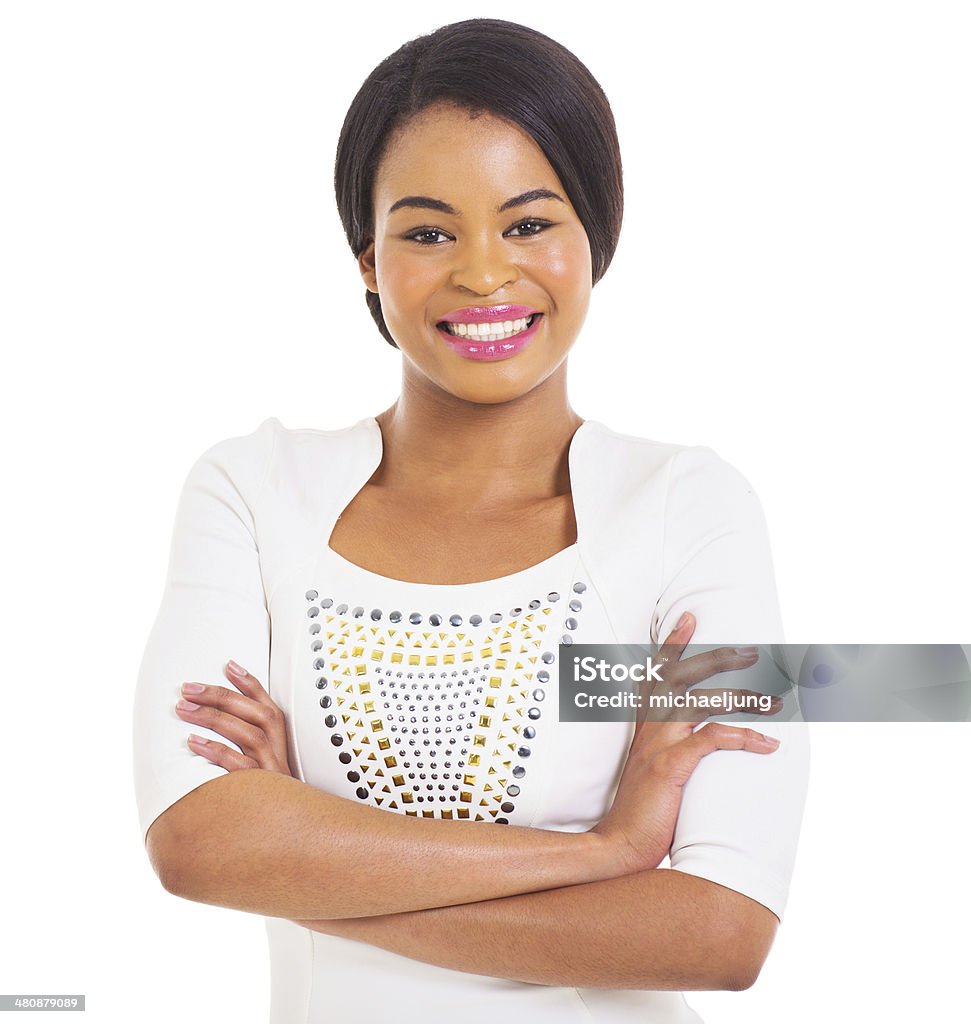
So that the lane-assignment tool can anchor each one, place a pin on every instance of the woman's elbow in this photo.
(162, 853)
(745, 941)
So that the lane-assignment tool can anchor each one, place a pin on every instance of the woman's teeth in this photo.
(489, 332)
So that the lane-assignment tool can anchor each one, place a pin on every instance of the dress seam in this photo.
(664, 539)
(583, 1002)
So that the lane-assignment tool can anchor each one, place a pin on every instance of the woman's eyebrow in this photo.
(423, 203)
(427, 203)
(528, 197)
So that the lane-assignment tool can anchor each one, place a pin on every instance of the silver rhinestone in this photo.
(319, 663)
(548, 657)
(314, 628)
(456, 620)
(326, 701)
(395, 616)
(376, 614)
(337, 740)
(475, 620)
(327, 603)
(358, 612)
(553, 597)
(512, 789)
(539, 696)
(570, 623)
(514, 612)
(575, 605)
(316, 645)
(415, 618)
(524, 751)
(507, 807)
(528, 733)
(495, 617)
(313, 612)
(533, 605)
(534, 713)
(321, 684)
(330, 721)
(543, 676)
(311, 595)
(519, 771)
(341, 609)
(434, 619)
(579, 588)
(566, 639)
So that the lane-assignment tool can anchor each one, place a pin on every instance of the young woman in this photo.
(399, 594)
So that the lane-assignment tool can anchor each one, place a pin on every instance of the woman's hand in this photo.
(248, 718)
(663, 754)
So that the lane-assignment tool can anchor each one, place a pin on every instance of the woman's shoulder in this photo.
(272, 446)
(613, 455)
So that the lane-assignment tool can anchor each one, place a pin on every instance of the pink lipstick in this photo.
(489, 332)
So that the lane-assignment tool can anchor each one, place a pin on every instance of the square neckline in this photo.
(375, 453)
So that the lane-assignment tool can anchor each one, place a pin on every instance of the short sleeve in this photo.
(716, 560)
(741, 812)
(213, 609)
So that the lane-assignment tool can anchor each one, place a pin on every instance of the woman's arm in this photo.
(656, 929)
(266, 843)
(261, 841)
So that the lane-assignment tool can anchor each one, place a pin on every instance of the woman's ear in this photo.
(365, 263)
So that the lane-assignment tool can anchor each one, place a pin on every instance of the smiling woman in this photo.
(393, 789)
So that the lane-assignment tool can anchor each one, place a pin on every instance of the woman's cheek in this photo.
(403, 287)
(569, 269)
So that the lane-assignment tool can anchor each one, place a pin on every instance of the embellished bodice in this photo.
(435, 701)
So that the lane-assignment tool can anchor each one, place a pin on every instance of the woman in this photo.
(420, 573)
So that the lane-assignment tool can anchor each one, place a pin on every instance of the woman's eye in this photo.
(428, 236)
(528, 227)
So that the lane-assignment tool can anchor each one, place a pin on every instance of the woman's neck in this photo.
(486, 457)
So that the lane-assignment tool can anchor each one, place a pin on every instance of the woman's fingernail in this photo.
(237, 670)
(192, 687)
(197, 739)
(186, 705)
(771, 740)
(746, 652)
(683, 621)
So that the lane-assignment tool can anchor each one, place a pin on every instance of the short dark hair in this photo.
(514, 72)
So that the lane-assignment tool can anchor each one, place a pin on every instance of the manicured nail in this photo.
(683, 621)
(197, 739)
(237, 670)
(746, 652)
(192, 687)
(771, 740)
(187, 705)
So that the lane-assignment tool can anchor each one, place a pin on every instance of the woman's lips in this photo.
(504, 337)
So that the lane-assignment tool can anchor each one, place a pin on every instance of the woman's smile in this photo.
(478, 259)
(490, 332)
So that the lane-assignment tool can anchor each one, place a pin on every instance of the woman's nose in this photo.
(483, 267)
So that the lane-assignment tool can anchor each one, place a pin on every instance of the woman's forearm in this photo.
(265, 843)
(656, 929)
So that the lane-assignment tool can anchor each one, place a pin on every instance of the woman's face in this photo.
(481, 262)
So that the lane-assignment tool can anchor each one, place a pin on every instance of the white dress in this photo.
(441, 701)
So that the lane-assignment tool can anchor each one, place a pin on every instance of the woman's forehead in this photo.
(453, 154)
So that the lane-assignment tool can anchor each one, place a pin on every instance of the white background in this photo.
(791, 289)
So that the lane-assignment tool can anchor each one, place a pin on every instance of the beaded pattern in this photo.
(431, 714)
